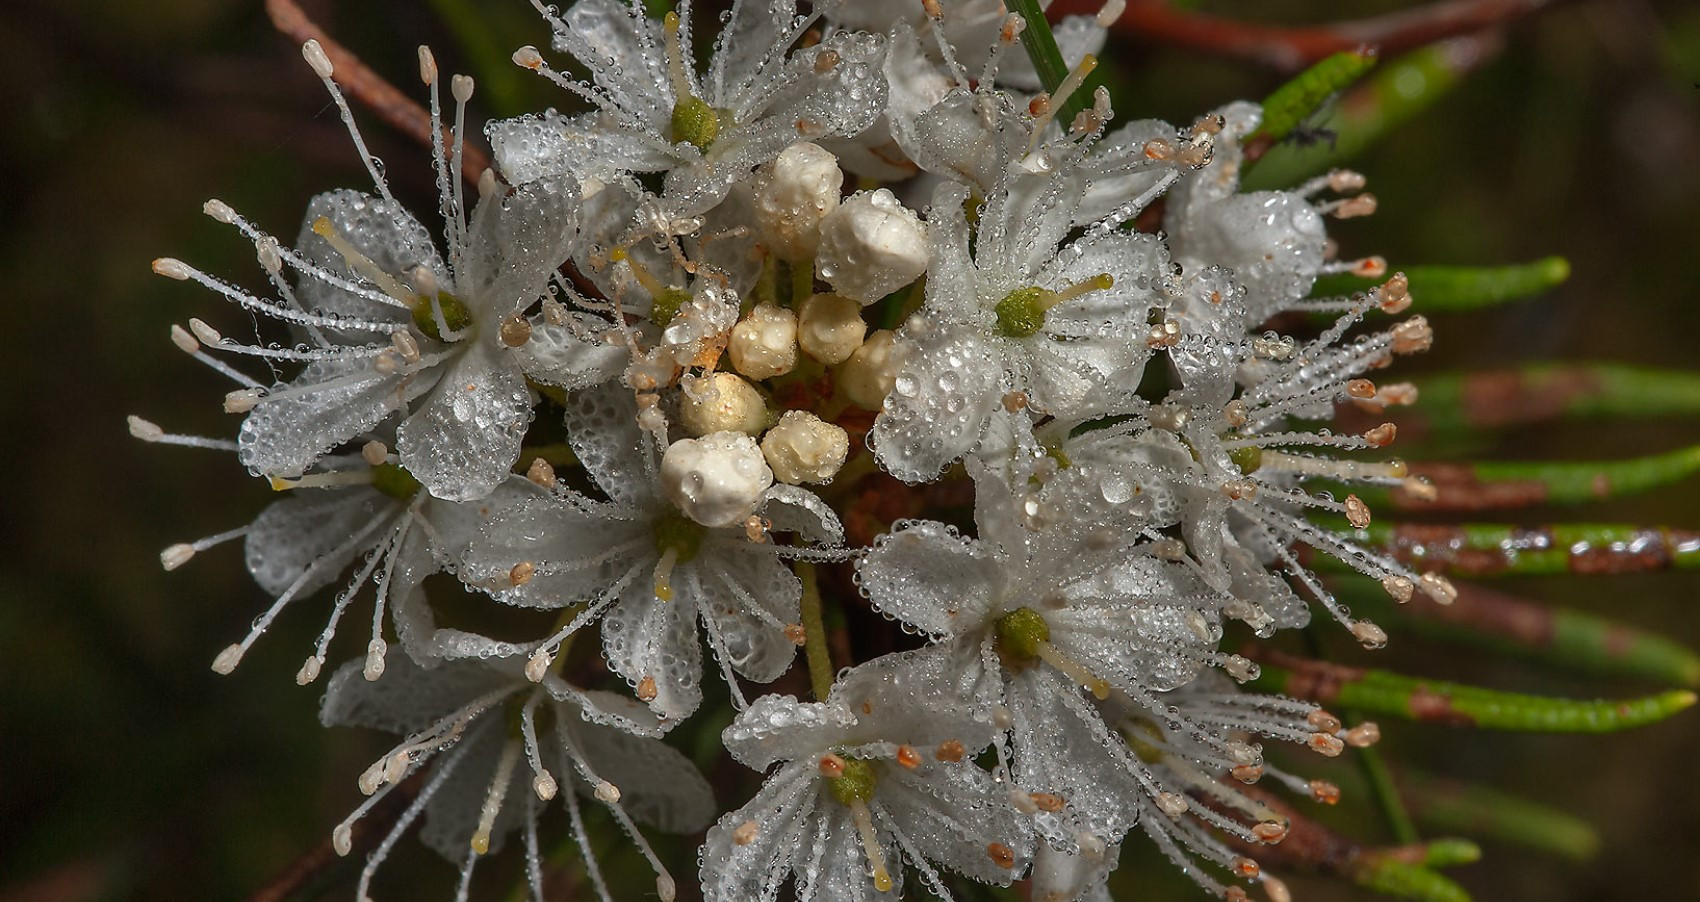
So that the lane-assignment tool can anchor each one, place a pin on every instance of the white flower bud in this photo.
(804, 448)
(871, 246)
(717, 480)
(793, 194)
(764, 343)
(722, 403)
(830, 327)
(867, 377)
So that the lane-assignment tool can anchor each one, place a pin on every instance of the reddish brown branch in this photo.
(1292, 47)
(368, 87)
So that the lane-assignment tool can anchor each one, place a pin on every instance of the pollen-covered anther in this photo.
(646, 689)
(1353, 207)
(1235, 894)
(1420, 488)
(176, 555)
(826, 61)
(537, 664)
(1246, 868)
(1046, 801)
(745, 833)
(1246, 773)
(1015, 401)
(1040, 105)
(204, 333)
(1438, 587)
(1369, 635)
(1001, 855)
(795, 632)
(607, 793)
(1402, 394)
(1324, 721)
(1240, 668)
(527, 57)
(1239, 489)
(1370, 268)
(908, 757)
(515, 331)
(1325, 792)
(1172, 804)
(542, 473)
(1234, 413)
(1398, 588)
(1326, 744)
(1270, 831)
(831, 766)
(145, 430)
(227, 660)
(1381, 436)
(1159, 149)
(1362, 389)
(1394, 295)
(1357, 512)
(183, 340)
(1343, 181)
(1165, 334)
(315, 56)
(950, 750)
(1363, 735)
(522, 573)
(545, 786)
(1412, 335)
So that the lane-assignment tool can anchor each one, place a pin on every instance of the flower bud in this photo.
(830, 327)
(867, 377)
(871, 246)
(717, 480)
(793, 194)
(764, 343)
(722, 403)
(804, 448)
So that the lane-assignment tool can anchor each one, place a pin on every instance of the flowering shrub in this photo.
(873, 295)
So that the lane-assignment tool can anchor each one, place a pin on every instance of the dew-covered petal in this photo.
(658, 785)
(1062, 747)
(779, 727)
(933, 579)
(603, 433)
(783, 823)
(945, 391)
(797, 510)
(572, 355)
(731, 588)
(578, 549)
(407, 698)
(953, 814)
(328, 403)
(466, 436)
(643, 636)
(295, 531)
(453, 814)
(587, 146)
(383, 232)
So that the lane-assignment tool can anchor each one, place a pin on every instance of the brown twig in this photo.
(368, 87)
(1292, 47)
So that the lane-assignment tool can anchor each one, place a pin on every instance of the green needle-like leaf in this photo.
(1041, 47)
(1397, 91)
(1393, 876)
(1288, 106)
(1500, 549)
(1449, 289)
(1499, 485)
(1413, 698)
(1561, 637)
(1496, 398)
(1457, 807)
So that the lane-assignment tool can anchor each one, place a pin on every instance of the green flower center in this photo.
(856, 783)
(695, 122)
(665, 305)
(394, 481)
(680, 535)
(455, 315)
(1248, 459)
(1019, 634)
(1022, 312)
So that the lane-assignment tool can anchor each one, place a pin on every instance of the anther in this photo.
(1046, 801)
(1246, 868)
(545, 786)
(1438, 588)
(315, 56)
(342, 839)
(1360, 388)
(908, 757)
(219, 211)
(1398, 587)
(427, 65)
(1327, 745)
(1270, 831)
(1172, 804)
(1001, 855)
(374, 659)
(1353, 207)
(1235, 894)
(950, 750)
(204, 333)
(606, 793)
(1381, 436)
(1325, 792)
(1357, 512)
(795, 632)
(1240, 668)
(537, 665)
(183, 340)
(227, 660)
(1363, 735)
(1370, 635)
(309, 670)
(145, 430)
(541, 472)
(176, 555)
(646, 691)
(515, 331)
(745, 833)
(1370, 268)
(1394, 295)
(1246, 773)
(1323, 721)
(172, 268)
(527, 57)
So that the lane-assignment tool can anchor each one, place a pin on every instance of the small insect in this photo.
(1309, 134)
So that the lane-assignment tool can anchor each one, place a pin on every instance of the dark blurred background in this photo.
(128, 770)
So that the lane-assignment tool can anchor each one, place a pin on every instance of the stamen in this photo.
(493, 799)
(870, 844)
(360, 263)
(1053, 656)
(179, 554)
(321, 65)
(664, 572)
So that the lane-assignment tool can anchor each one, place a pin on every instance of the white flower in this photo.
(648, 571)
(1020, 324)
(878, 776)
(718, 480)
(485, 781)
(655, 113)
(390, 325)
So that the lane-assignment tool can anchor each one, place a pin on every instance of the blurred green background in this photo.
(128, 770)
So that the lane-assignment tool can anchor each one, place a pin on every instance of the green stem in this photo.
(1448, 289)
(814, 632)
(1041, 47)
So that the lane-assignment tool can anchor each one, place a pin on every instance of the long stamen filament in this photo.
(493, 799)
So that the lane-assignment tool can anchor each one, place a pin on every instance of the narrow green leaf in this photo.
(1449, 289)
(1559, 637)
(1412, 698)
(1496, 398)
(1048, 61)
(1456, 807)
(1501, 549)
(1500, 485)
(1288, 106)
(1392, 876)
(1450, 851)
(1394, 93)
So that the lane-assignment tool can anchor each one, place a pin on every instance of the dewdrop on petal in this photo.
(717, 480)
(871, 246)
(793, 194)
(764, 342)
(830, 327)
(868, 376)
(724, 402)
(803, 448)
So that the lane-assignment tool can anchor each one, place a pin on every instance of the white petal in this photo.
(927, 576)
(944, 393)
(466, 437)
(297, 529)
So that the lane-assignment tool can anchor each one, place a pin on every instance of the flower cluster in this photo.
(626, 391)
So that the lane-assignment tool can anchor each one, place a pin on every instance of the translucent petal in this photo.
(944, 393)
(297, 529)
(782, 815)
(466, 436)
(329, 402)
(643, 636)
(927, 576)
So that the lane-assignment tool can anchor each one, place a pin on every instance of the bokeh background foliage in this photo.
(129, 771)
